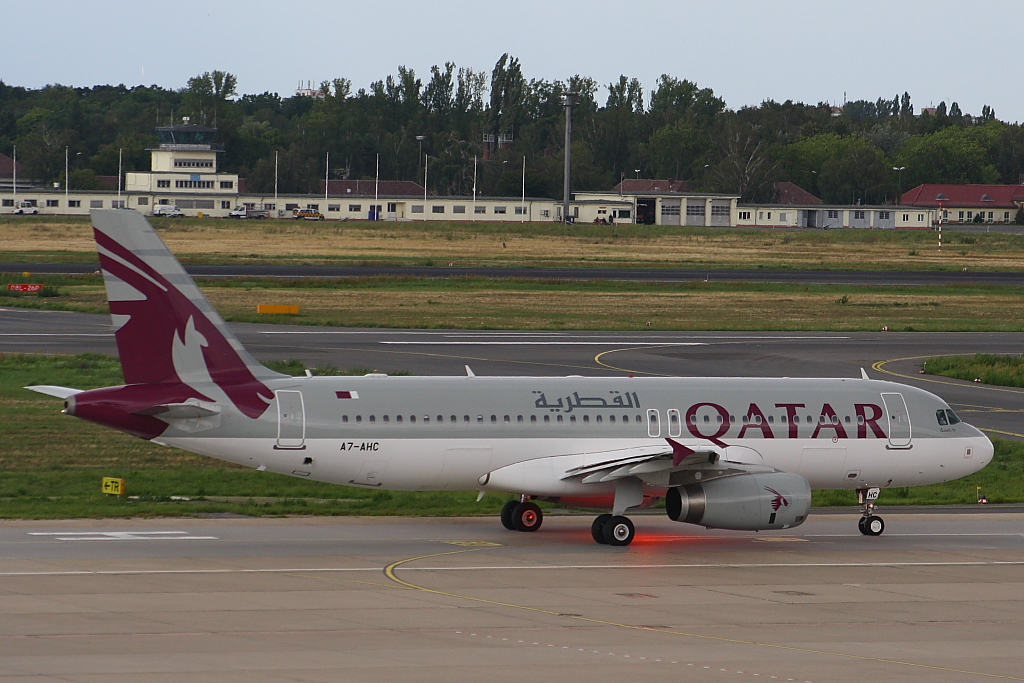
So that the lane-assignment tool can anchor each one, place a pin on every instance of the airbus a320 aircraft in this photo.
(738, 453)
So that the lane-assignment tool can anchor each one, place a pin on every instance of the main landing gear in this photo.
(613, 530)
(521, 516)
(869, 524)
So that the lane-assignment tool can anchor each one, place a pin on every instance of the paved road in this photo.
(938, 598)
(888, 355)
(830, 277)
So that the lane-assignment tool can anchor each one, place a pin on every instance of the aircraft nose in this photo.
(984, 451)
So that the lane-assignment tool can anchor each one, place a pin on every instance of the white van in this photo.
(168, 210)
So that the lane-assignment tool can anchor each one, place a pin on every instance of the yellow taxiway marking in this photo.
(880, 367)
(597, 359)
(389, 571)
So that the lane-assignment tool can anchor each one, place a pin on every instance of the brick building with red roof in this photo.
(969, 203)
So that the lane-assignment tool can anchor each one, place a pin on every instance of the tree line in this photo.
(676, 130)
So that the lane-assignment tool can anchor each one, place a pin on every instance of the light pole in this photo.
(569, 102)
(420, 139)
(637, 170)
(66, 166)
(899, 181)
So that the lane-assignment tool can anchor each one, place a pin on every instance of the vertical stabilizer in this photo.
(167, 332)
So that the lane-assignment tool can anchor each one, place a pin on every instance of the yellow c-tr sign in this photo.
(112, 486)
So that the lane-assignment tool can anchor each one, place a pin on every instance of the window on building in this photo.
(920, 217)
(783, 216)
(334, 207)
(833, 214)
(194, 184)
(545, 213)
(206, 204)
(520, 210)
(227, 184)
(479, 209)
(744, 215)
(500, 209)
(355, 208)
(961, 215)
(225, 204)
(95, 203)
(858, 215)
(270, 207)
(990, 215)
(1006, 216)
(193, 163)
(970, 215)
(624, 213)
(437, 208)
(417, 208)
(290, 207)
(906, 218)
(74, 203)
(760, 215)
(53, 202)
(883, 215)
(459, 209)
(392, 207)
(720, 210)
(698, 210)
(144, 201)
(769, 215)
(163, 183)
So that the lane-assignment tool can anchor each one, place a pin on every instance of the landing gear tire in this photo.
(506, 515)
(527, 517)
(871, 526)
(597, 528)
(618, 531)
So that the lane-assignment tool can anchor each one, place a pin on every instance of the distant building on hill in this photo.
(969, 203)
(791, 193)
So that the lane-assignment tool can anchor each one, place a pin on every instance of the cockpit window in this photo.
(953, 419)
(940, 415)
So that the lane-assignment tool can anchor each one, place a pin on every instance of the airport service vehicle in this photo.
(26, 209)
(307, 214)
(168, 211)
(247, 212)
(725, 453)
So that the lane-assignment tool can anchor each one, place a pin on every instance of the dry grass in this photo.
(535, 244)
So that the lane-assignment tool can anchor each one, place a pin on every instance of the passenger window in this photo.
(385, 419)
(572, 418)
(494, 419)
(559, 418)
(771, 419)
(440, 418)
(344, 419)
(453, 419)
(783, 419)
(465, 418)
(412, 418)
(860, 419)
(519, 418)
(719, 418)
(732, 419)
(599, 419)
(480, 419)
(547, 418)
(611, 418)
(796, 418)
(507, 419)
(426, 418)
(373, 418)
(359, 418)
(625, 419)
(533, 418)
(940, 415)
(707, 418)
(639, 419)
(953, 419)
(847, 418)
(586, 419)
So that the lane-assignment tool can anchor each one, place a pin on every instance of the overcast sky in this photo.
(745, 50)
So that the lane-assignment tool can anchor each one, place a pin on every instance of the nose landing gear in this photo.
(869, 524)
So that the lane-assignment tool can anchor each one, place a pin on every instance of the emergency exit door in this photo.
(291, 420)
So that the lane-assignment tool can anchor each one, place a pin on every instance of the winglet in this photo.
(679, 452)
(864, 374)
(469, 372)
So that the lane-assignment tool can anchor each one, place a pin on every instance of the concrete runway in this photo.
(938, 598)
(824, 277)
(885, 355)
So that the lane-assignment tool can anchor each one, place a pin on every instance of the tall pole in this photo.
(425, 160)
(66, 180)
(523, 205)
(474, 186)
(569, 102)
(276, 154)
(15, 186)
(376, 191)
(119, 150)
(327, 177)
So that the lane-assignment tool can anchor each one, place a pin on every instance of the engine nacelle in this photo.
(744, 502)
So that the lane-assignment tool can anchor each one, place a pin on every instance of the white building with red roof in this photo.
(969, 203)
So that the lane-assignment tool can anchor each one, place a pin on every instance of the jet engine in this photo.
(744, 502)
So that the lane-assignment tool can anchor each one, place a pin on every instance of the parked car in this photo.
(246, 212)
(26, 208)
(167, 210)
(307, 214)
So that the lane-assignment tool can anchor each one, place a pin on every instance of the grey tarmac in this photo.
(884, 355)
(938, 598)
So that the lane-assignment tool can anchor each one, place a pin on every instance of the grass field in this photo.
(1007, 371)
(54, 238)
(481, 303)
(51, 466)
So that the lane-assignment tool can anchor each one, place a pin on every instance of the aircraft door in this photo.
(899, 420)
(291, 420)
(653, 423)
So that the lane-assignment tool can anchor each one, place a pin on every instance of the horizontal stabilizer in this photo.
(50, 390)
(177, 411)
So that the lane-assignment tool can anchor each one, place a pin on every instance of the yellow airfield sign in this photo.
(113, 487)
